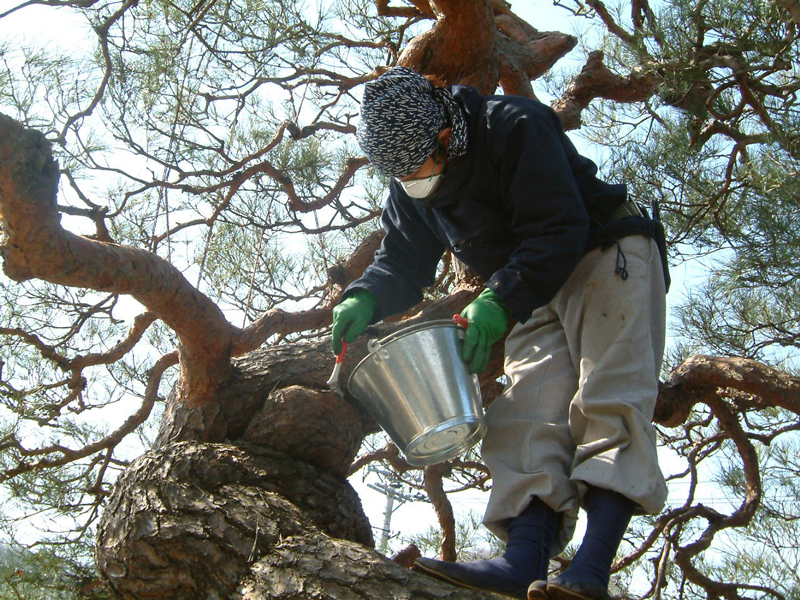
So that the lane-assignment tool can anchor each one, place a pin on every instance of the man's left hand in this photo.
(487, 320)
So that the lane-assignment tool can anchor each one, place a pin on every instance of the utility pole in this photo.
(395, 498)
(383, 544)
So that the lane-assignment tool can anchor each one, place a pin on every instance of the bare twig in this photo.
(68, 455)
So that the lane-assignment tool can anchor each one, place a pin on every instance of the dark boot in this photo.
(608, 515)
(530, 537)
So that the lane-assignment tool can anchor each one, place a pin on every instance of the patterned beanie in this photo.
(402, 114)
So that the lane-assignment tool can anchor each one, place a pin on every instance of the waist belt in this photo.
(614, 229)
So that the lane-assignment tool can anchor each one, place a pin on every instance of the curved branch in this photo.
(731, 424)
(295, 202)
(57, 3)
(389, 453)
(717, 522)
(45, 350)
(140, 324)
(596, 81)
(277, 321)
(609, 21)
(69, 455)
(102, 32)
(298, 133)
(704, 379)
(444, 510)
(701, 373)
(36, 246)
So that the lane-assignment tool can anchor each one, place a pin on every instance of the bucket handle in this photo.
(377, 351)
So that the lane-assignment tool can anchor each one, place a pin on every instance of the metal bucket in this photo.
(419, 390)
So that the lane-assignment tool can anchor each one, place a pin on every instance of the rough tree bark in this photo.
(214, 521)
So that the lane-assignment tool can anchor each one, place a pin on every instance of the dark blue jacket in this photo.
(520, 208)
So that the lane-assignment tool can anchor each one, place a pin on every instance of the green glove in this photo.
(487, 319)
(351, 316)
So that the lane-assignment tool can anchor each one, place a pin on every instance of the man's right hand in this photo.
(351, 317)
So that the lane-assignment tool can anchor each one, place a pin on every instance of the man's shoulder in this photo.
(499, 104)
(501, 114)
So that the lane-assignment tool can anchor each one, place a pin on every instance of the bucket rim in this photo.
(400, 333)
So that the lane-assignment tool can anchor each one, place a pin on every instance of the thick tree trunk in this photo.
(187, 521)
(215, 521)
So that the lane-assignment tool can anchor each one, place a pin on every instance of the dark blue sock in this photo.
(530, 538)
(527, 554)
(608, 515)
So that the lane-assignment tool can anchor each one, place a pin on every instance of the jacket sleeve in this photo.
(406, 261)
(548, 216)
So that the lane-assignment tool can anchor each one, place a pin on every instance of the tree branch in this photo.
(36, 246)
(701, 373)
(793, 6)
(463, 28)
(390, 453)
(526, 54)
(609, 21)
(68, 455)
(140, 324)
(406, 12)
(444, 510)
(596, 81)
(102, 32)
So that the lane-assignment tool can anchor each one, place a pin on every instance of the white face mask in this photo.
(422, 188)
(426, 186)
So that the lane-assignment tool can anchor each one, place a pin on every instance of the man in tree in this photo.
(575, 263)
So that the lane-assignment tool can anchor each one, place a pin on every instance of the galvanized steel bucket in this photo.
(419, 390)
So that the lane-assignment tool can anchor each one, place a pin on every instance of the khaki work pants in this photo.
(583, 381)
